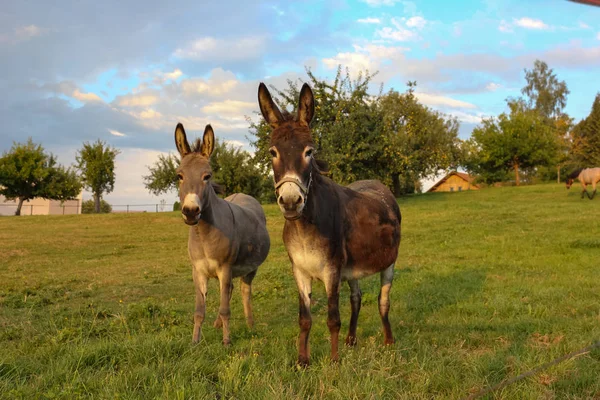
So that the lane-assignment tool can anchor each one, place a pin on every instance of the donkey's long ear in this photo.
(181, 140)
(306, 108)
(208, 141)
(268, 108)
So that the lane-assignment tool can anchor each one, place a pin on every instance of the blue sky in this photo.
(127, 72)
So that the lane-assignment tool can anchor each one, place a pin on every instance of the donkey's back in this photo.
(251, 230)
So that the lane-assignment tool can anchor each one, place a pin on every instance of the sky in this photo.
(126, 72)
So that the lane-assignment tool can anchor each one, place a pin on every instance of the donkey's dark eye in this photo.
(273, 152)
(180, 177)
(207, 177)
(308, 153)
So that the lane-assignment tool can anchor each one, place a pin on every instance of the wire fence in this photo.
(69, 209)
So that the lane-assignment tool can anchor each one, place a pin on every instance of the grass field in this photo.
(488, 285)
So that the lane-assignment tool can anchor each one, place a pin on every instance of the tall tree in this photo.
(547, 96)
(27, 172)
(96, 161)
(517, 141)
(365, 136)
(585, 150)
(545, 93)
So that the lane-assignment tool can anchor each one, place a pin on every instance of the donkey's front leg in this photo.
(224, 310)
(332, 286)
(304, 283)
(200, 283)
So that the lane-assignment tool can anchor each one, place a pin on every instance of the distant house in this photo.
(39, 206)
(454, 182)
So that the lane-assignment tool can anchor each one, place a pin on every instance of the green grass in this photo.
(488, 285)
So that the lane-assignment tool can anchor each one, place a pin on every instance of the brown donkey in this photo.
(228, 238)
(332, 233)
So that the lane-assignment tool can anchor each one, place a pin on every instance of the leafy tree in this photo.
(96, 161)
(547, 96)
(232, 167)
(421, 141)
(517, 141)
(163, 175)
(389, 137)
(585, 151)
(89, 207)
(27, 172)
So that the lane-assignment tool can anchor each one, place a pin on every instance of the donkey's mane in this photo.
(575, 173)
(197, 146)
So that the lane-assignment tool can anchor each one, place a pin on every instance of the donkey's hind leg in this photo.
(355, 302)
(247, 297)
(387, 276)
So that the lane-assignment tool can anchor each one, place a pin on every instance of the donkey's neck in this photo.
(215, 213)
(322, 202)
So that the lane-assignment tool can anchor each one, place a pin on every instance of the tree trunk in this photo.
(19, 205)
(517, 181)
(96, 203)
(396, 184)
(558, 174)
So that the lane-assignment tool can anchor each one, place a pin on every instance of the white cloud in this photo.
(437, 100)
(400, 32)
(492, 86)
(530, 23)
(399, 35)
(416, 22)
(237, 49)
(598, 36)
(583, 25)
(236, 143)
(229, 108)
(86, 97)
(137, 100)
(173, 75)
(116, 133)
(369, 20)
(364, 57)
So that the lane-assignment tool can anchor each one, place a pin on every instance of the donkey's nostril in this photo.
(190, 211)
(280, 200)
(299, 200)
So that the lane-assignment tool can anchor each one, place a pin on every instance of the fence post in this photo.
(31, 209)
(127, 208)
(156, 207)
(63, 210)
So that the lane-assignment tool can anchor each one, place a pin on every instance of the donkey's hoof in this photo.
(351, 341)
(226, 342)
(302, 363)
(389, 341)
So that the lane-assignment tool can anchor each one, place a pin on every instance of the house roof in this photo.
(465, 177)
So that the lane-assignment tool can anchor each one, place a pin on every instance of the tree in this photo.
(517, 141)
(547, 96)
(232, 167)
(388, 137)
(585, 137)
(96, 162)
(27, 172)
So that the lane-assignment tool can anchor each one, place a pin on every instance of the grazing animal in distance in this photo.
(585, 176)
(332, 233)
(228, 237)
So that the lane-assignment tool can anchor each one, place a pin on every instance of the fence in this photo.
(42, 209)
